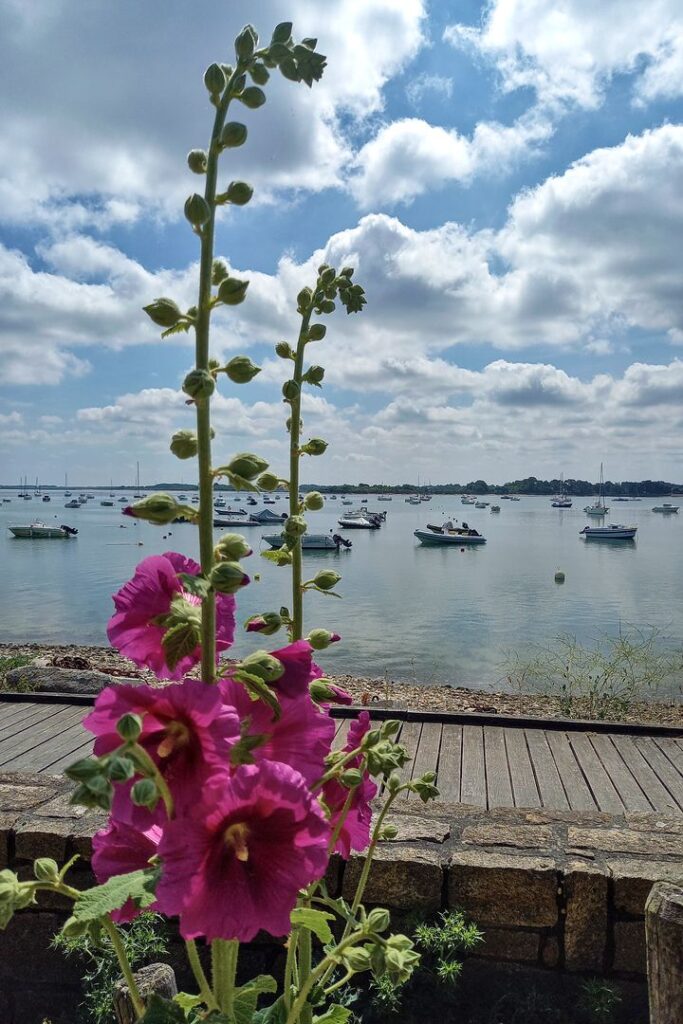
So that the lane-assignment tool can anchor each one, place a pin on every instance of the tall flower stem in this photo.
(294, 458)
(206, 233)
(200, 977)
(126, 970)
(224, 969)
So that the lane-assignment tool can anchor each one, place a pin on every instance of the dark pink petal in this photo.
(119, 849)
(355, 832)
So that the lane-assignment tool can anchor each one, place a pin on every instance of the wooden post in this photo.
(159, 978)
(664, 932)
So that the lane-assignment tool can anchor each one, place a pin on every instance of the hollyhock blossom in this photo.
(355, 832)
(235, 865)
(186, 729)
(301, 737)
(119, 849)
(299, 669)
(133, 629)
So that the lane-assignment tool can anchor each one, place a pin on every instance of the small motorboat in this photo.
(313, 542)
(495, 508)
(457, 537)
(358, 522)
(107, 503)
(384, 497)
(266, 516)
(251, 501)
(73, 504)
(230, 511)
(46, 497)
(468, 500)
(667, 508)
(615, 531)
(347, 501)
(39, 531)
(561, 502)
(123, 501)
(268, 501)
(480, 504)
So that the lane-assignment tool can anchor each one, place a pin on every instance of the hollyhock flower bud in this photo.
(259, 73)
(314, 501)
(314, 375)
(233, 134)
(184, 444)
(319, 639)
(295, 526)
(156, 508)
(246, 42)
(316, 332)
(232, 291)
(268, 482)
(164, 312)
(241, 370)
(355, 832)
(196, 161)
(253, 97)
(290, 390)
(351, 777)
(136, 630)
(324, 692)
(238, 193)
(214, 79)
(144, 793)
(316, 446)
(284, 350)
(228, 577)
(219, 271)
(327, 579)
(247, 465)
(199, 384)
(120, 769)
(357, 959)
(197, 210)
(46, 870)
(129, 727)
(267, 623)
(303, 299)
(378, 920)
(266, 666)
(231, 547)
(258, 833)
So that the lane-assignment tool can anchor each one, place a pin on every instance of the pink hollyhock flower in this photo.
(300, 669)
(236, 864)
(133, 629)
(301, 737)
(339, 696)
(355, 832)
(186, 729)
(118, 849)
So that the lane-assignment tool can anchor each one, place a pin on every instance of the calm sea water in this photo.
(412, 613)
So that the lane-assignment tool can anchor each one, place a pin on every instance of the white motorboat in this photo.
(266, 516)
(73, 504)
(667, 508)
(413, 500)
(39, 531)
(455, 537)
(468, 500)
(514, 497)
(480, 504)
(384, 497)
(599, 508)
(615, 531)
(358, 522)
(313, 542)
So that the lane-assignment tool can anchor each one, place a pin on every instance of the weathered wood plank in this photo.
(410, 738)
(12, 713)
(578, 794)
(57, 767)
(665, 771)
(498, 785)
(427, 756)
(524, 788)
(657, 794)
(601, 785)
(670, 749)
(40, 730)
(545, 770)
(473, 781)
(28, 714)
(630, 792)
(42, 754)
(450, 763)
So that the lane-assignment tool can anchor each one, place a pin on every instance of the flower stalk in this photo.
(297, 626)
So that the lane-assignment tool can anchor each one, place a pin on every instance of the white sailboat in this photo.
(561, 500)
(599, 508)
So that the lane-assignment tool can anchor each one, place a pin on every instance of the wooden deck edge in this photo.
(403, 715)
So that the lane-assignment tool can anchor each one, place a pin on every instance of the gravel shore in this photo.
(366, 691)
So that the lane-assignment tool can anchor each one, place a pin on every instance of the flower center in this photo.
(235, 837)
(175, 735)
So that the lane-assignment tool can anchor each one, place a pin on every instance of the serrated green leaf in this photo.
(161, 1011)
(258, 690)
(178, 642)
(246, 997)
(199, 586)
(187, 1001)
(314, 920)
(334, 1015)
(276, 1013)
(182, 327)
(138, 886)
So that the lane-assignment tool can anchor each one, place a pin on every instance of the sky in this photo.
(506, 178)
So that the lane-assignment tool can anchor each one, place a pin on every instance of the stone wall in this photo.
(553, 891)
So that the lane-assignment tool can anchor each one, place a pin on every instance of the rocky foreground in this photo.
(365, 691)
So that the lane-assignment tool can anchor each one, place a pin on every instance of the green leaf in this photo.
(187, 1001)
(314, 920)
(199, 586)
(246, 997)
(182, 327)
(334, 1015)
(276, 1013)
(179, 641)
(161, 1011)
(258, 689)
(138, 886)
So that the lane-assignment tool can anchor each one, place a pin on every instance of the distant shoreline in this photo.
(372, 691)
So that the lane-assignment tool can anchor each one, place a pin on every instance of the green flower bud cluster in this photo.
(231, 547)
(424, 787)
(14, 895)
(314, 501)
(295, 526)
(184, 444)
(144, 793)
(297, 62)
(314, 446)
(263, 665)
(396, 959)
(199, 384)
(241, 370)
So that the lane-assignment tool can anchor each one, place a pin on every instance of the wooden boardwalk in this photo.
(479, 760)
